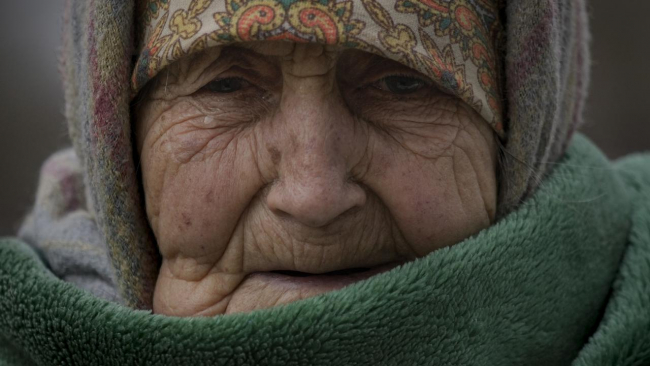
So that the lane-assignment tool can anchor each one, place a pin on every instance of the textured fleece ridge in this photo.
(529, 290)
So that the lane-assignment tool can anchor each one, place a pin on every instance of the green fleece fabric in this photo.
(563, 280)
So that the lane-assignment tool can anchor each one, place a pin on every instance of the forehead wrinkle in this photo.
(250, 55)
(309, 60)
(286, 49)
(294, 57)
(246, 56)
(266, 48)
(189, 71)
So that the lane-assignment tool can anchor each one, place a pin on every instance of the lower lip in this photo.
(324, 281)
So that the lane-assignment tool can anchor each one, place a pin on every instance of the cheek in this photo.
(196, 189)
(422, 200)
(437, 189)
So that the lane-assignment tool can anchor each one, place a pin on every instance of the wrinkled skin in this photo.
(284, 157)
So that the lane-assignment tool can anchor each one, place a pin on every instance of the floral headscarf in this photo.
(453, 42)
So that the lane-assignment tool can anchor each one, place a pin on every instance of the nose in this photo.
(315, 198)
(318, 147)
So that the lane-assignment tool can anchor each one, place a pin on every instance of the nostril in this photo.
(350, 211)
(315, 206)
(280, 213)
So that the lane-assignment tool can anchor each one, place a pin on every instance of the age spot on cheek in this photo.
(276, 155)
(186, 220)
(209, 197)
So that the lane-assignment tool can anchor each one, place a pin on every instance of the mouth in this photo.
(318, 282)
(342, 272)
(261, 290)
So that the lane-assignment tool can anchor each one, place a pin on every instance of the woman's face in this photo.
(277, 171)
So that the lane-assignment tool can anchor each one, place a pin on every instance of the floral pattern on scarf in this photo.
(454, 42)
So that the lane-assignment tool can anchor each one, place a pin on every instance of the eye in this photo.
(398, 84)
(226, 85)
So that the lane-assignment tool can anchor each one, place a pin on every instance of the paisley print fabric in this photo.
(454, 42)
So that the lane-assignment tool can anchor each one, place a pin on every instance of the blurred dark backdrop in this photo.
(31, 102)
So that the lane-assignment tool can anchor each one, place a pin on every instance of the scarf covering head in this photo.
(453, 42)
(542, 66)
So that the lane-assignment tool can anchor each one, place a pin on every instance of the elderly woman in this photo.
(362, 181)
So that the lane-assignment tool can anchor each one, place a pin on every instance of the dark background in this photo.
(31, 101)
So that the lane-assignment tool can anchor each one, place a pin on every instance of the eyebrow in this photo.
(258, 65)
(243, 56)
(364, 64)
(370, 63)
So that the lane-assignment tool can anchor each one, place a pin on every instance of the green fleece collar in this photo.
(529, 290)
